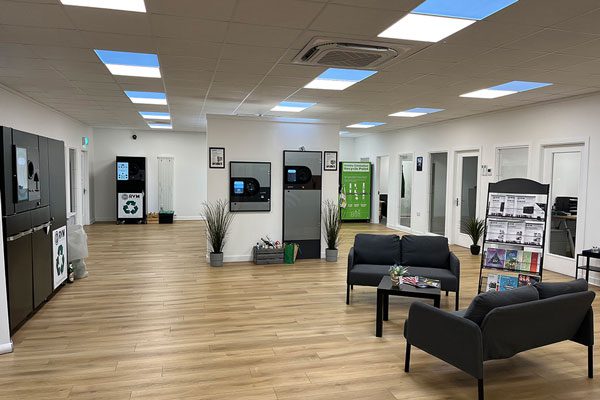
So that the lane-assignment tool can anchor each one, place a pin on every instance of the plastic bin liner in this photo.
(76, 243)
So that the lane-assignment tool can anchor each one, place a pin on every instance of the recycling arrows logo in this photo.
(60, 260)
(130, 207)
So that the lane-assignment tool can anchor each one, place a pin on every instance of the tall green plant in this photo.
(332, 224)
(218, 220)
(474, 227)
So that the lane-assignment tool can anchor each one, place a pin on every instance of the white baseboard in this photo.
(189, 218)
(6, 347)
(243, 258)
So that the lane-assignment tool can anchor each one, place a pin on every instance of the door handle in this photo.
(43, 226)
(19, 235)
(457, 202)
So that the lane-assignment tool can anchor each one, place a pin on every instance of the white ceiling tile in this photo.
(283, 13)
(183, 28)
(355, 20)
(101, 20)
(208, 9)
(35, 15)
(551, 40)
(255, 35)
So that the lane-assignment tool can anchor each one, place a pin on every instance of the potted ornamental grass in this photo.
(218, 221)
(474, 227)
(397, 272)
(332, 224)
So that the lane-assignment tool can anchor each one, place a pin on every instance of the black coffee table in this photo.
(387, 288)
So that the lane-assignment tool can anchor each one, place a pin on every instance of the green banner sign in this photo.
(355, 195)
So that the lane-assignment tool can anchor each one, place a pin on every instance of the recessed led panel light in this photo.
(467, 9)
(156, 116)
(292, 106)
(339, 78)
(365, 125)
(425, 28)
(156, 98)
(160, 126)
(416, 112)
(122, 5)
(506, 89)
(130, 64)
(488, 94)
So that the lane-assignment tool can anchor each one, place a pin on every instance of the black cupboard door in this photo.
(58, 197)
(19, 277)
(44, 172)
(42, 266)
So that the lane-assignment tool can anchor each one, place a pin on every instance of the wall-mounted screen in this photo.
(22, 174)
(122, 171)
(291, 175)
(238, 187)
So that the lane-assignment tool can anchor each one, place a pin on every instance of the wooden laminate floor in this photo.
(153, 321)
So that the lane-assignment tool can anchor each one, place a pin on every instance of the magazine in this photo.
(525, 207)
(510, 209)
(534, 232)
(527, 280)
(496, 204)
(421, 282)
(492, 283)
(507, 282)
(496, 230)
(514, 231)
(495, 258)
(513, 259)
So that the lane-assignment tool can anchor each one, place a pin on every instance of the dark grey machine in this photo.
(249, 186)
(302, 201)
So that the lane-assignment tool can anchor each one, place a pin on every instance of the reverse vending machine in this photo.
(249, 186)
(302, 201)
(131, 190)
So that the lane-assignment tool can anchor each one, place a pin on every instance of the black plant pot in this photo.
(475, 249)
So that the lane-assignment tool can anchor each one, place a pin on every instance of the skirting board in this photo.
(6, 347)
(243, 258)
(176, 218)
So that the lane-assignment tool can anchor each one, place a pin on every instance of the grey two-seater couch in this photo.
(498, 325)
(371, 256)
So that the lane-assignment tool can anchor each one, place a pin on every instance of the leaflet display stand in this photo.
(515, 234)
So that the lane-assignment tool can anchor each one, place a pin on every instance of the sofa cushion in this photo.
(483, 303)
(551, 289)
(445, 276)
(425, 251)
(367, 274)
(376, 249)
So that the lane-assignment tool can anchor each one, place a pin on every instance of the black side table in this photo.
(587, 255)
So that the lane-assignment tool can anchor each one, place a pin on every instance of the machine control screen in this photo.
(291, 176)
(122, 171)
(238, 187)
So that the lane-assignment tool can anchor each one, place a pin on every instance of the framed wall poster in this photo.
(216, 157)
(419, 164)
(330, 162)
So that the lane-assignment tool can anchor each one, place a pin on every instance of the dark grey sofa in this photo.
(372, 255)
(527, 318)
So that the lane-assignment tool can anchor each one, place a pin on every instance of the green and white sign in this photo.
(131, 205)
(355, 195)
(59, 255)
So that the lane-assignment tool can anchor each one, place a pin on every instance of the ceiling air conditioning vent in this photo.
(342, 53)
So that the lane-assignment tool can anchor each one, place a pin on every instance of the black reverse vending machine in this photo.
(302, 201)
(131, 190)
(34, 218)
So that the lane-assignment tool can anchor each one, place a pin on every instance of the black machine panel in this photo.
(249, 186)
(130, 176)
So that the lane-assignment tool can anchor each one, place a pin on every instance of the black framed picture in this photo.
(419, 164)
(330, 160)
(216, 157)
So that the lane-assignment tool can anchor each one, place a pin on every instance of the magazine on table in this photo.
(421, 282)
(496, 230)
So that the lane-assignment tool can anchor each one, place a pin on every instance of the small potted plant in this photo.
(397, 272)
(474, 227)
(218, 221)
(332, 224)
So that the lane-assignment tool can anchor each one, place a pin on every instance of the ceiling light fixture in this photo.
(339, 78)
(156, 116)
(130, 64)
(416, 112)
(506, 89)
(121, 5)
(160, 126)
(292, 106)
(365, 125)
(435, 20)
(156, 98)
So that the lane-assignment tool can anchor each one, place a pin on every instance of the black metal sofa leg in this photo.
(480, 388)
(456, 301)
(407, 358)
(590, 362)
(347, 294)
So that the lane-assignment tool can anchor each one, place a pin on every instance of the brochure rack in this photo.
(515, 234)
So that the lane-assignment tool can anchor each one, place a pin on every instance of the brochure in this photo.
(495, 258)
(526, 280)
(496, 204)
(514, 232)
(513, 259)
(510, 209)
(507, 282)
(492, 283)
(496, 230)
(534, 232)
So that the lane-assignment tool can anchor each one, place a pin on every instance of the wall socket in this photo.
(486, 170)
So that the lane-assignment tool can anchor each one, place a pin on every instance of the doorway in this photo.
(405, 195)
(465, 194)
(85, 188)
(383, 175)
(437, 198)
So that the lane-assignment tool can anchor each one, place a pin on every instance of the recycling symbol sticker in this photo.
(60, 260)
(130, 207)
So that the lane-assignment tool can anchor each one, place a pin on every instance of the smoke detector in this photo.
(348, 53)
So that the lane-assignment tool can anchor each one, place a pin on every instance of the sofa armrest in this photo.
(447, 336)
(455, 265)
(350, 259)
(585, 333)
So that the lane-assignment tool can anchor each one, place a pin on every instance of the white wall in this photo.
(254, 139)
(189, 150)
(346, 150)
(571, 121)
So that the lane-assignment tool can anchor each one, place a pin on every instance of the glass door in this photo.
(466, 181)
(437, 197)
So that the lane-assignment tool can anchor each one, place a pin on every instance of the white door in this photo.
(562, 169)
(466, 181)
(85, 188)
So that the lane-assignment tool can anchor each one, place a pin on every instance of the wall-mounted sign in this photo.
(355, 191)
(216, 157)
(131, 205)
(59, 255)
(419, 164)
(330, 162)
